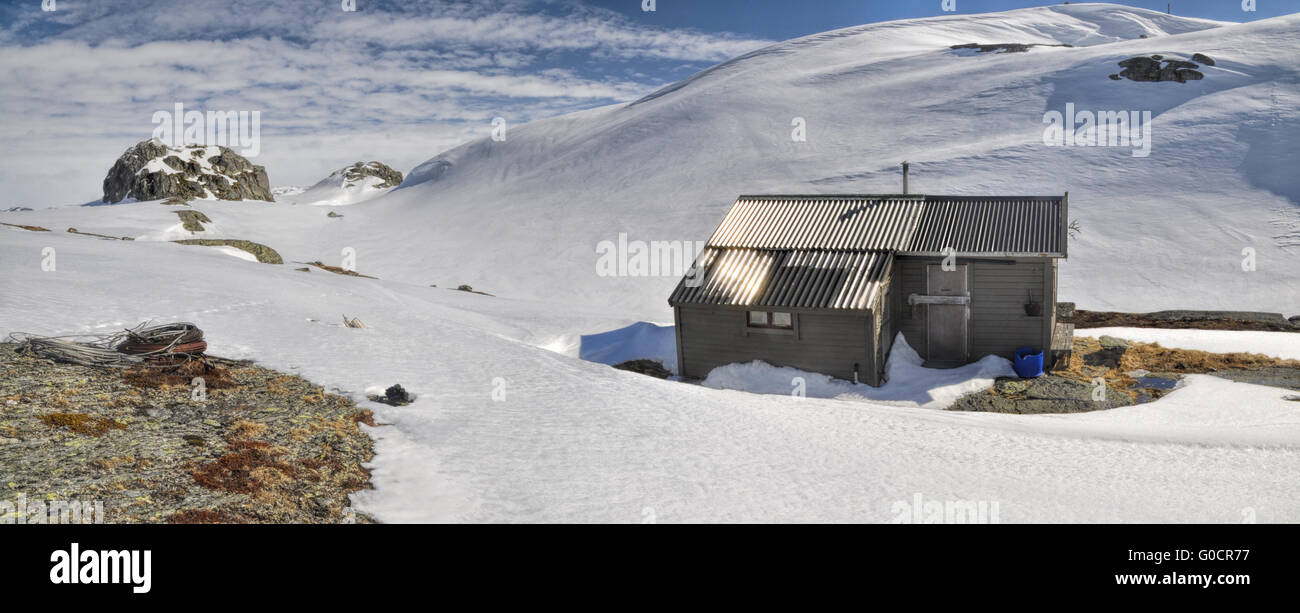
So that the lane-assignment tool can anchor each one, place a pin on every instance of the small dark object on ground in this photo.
(652, 368)
(333, 214)
(466, 288)
(395, 395)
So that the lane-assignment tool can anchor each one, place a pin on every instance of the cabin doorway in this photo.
(947, 316)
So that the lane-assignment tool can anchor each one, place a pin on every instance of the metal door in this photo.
(945, 324)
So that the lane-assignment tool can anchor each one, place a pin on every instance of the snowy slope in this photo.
(1162, 231)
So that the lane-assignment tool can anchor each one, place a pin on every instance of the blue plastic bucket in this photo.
(1028, 362)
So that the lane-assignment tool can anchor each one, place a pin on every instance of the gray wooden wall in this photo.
(998, 324)
(829, 343)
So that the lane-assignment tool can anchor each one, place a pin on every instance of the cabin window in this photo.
(768, 319)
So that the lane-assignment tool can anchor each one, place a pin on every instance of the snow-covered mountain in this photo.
(524, 215)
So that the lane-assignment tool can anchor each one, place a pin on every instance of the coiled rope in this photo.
(161, 345)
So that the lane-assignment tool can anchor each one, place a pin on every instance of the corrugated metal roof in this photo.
(833, 252)
(818, 222)
(1030, 226)
(795, 279)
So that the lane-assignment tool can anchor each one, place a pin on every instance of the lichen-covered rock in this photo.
(264, 254)
(1202, 58)
(151, 170)
(357, 172)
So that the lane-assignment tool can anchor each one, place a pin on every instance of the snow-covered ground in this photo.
(505, 429)
(511, 424)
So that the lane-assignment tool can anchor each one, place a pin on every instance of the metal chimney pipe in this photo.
(904, 177)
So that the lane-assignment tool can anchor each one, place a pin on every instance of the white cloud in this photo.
(83, 82)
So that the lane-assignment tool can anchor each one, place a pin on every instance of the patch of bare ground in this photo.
(1196, 320)
(1133, 373)
(255, 446)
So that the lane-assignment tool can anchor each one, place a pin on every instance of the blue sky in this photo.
(397, 80)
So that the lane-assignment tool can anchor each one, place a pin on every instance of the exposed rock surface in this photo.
(1143, 68)
(1004, 47)
(264, 254)
(1203, 320)
(151, 170)
(355, 173)
(652, 368)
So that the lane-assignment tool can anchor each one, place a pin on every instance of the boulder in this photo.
(355, 173)
(1202, 58)
(152, 170)
(1142, 68)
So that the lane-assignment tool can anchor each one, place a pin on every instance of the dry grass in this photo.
(246, 429)
(1153, 357)
(247, 467)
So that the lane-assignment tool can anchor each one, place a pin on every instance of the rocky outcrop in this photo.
(1004, 47)
(1143, 68)
(151, 170)
(355, 173)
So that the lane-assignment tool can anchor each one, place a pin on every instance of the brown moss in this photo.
(81, 423)
(246, 468)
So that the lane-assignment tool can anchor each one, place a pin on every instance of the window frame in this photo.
(767, 318)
